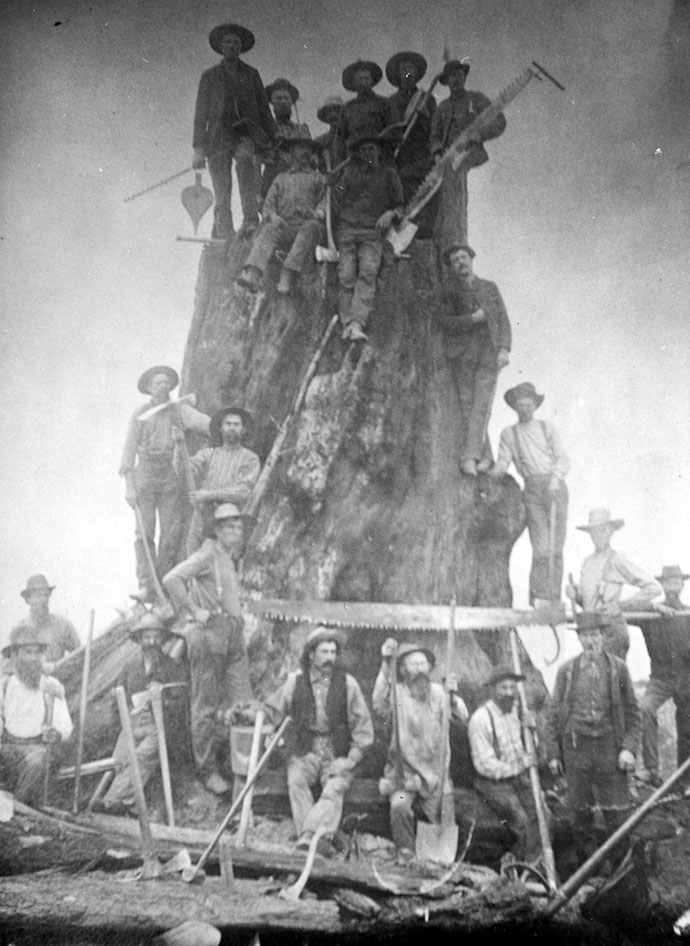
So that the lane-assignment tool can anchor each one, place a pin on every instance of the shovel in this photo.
(439, 841)
(156, 693)
(196, 199)
(294, 891)
(400, 237)
(328, 254)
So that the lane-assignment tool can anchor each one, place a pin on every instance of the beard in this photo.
(29, 673)
(505, 703)
(419, 684)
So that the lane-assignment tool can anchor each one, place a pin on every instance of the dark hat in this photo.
(282, 84)
(354, 143)
(671, 571)
(36, 583)
(332, 104)
(147, 377)
(526, 389)
(453, 248)
(601, 517)
(451, 67)
(24, 635)
(588, 621)
(504, 672)
(215, 37)
(218, 417)
(349, 73)
(406, 649)
(393, 66)
(321, 635)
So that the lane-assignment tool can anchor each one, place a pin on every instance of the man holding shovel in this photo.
(535, 448)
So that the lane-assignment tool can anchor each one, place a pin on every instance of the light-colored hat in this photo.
(149, 622)
(672, 571)
(601, 517)
(321, 635)
(24, 635)
(406, 649)
(226, 511)
(36, 583)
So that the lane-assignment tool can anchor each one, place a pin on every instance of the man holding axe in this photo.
(153, 487)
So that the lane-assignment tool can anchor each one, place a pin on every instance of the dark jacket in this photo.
(366, 116)
(455, 314)
(251, 104)
(134, 679)
(668, 646)
(625, 710)
(416, 148)
(362, 194)
(303, 712)
(453, 116)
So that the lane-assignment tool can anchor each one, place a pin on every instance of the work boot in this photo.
(325, 848)
(216, 783)
(469, 467)
(284, 286)
(249, 278)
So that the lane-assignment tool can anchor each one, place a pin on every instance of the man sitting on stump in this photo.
(282, 95)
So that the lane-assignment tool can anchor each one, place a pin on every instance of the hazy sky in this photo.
(582, 217)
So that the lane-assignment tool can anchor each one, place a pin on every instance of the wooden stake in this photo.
(246, 814)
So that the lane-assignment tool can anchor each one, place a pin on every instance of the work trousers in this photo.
(299, 238)
(305, 771)
(121, 790)
(159, 493)
(474, 373)
(513, 802)
(593, 776)
(361, 252)
(247, 168)
(22, 768)
(219, 672)
(538, 506)
(405, 808)
(657, 693)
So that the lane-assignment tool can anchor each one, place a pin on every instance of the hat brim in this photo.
(614, 523)
(671, 577)
(352, 146)
(393, 66)
(453, 248)
(217, 420)
(511, 398)
(497, 678)
(144, 382)
(328, 634)
(429, 654)
(27, 592)
(9, 648)
(326, 110)
(349, 73)
(288, 86)
(215, 37)
(443, 78)
(287, 143)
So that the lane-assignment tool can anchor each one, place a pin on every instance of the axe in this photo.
(185, 399)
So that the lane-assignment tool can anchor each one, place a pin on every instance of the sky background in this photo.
(582, 217)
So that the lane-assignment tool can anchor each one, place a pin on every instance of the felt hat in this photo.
(406, 649)
(333, 103)
(354, 143)
(601, 517)
(504, 672)
(24, 635)
(393, 66)
(450, 67)
(453, 248)
(147, 377)
(321, 635)
(588, 621)
(526, 389)
(36, 583)
(349, 73)
(672, 571)
(218, 417)
(218, 33)
(226, 511)
(149, 622)
(282, 84)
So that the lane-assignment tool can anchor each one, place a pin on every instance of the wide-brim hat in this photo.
(320, 635)
(393, 66)
(147, 377)
(217, 420)
(149, 622)
(601, 517)
(349, 73)
(526, 389)
(453, 248)
(333, 103)
(504, 672)
(215, 37)
(588, 621)
(672, 571)
(36, 583)
(406, 649)
(24, 635)
(450, 66)
(282, 84)
(382, 142)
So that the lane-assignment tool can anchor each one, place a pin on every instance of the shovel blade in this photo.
(325, 255)
(400, 239)
(437, 842)
(196, 200)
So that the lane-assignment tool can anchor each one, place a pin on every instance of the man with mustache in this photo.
(282, 95)
(502, 764)
(33, 717)
(57, 632)
(330, 733)
(368, 114)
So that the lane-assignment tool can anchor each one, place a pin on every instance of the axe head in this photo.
(193, 875)
(326, 255)
(401, 238)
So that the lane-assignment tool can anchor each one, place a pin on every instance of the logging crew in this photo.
(330, 733)
(282, 96)
(57, 633)
(150, 664)
(206, 587)
(367, 199)
(603, 575)
(224, 473)
(593, 728)
(477, 343)
(535, 448)
(458, 111)
(668, 644)
(33, 717)
(412, 779)
(368, 114)
(151, 480)
(502, 764)
(330, 144)
(291, 219)
(232, 121)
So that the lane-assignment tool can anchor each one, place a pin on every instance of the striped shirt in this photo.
(496, 742)
(232, 471)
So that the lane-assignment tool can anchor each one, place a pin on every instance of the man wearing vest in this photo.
(330, 733)
(502, 763)
(33, 717)
(593, 728)
(536, 450)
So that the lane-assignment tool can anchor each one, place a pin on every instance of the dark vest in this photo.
(303, 712)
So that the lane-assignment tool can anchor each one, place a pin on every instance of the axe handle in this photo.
(50, 706)
(156, 693)
(157, 587)
(253, 758)
(147, 846)
(421, 103)
(329, 221)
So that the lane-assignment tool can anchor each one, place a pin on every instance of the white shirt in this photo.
(23, 711)
(496, 742)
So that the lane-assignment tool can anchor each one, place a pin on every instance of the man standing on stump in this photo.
(368, 114)
(536, 450)
(477, 333)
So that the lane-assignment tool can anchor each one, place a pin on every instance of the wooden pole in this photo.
(50, 706)
(156, 691)
(245, 816)
(82, 710)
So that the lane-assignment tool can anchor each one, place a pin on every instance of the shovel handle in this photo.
(147, 846)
